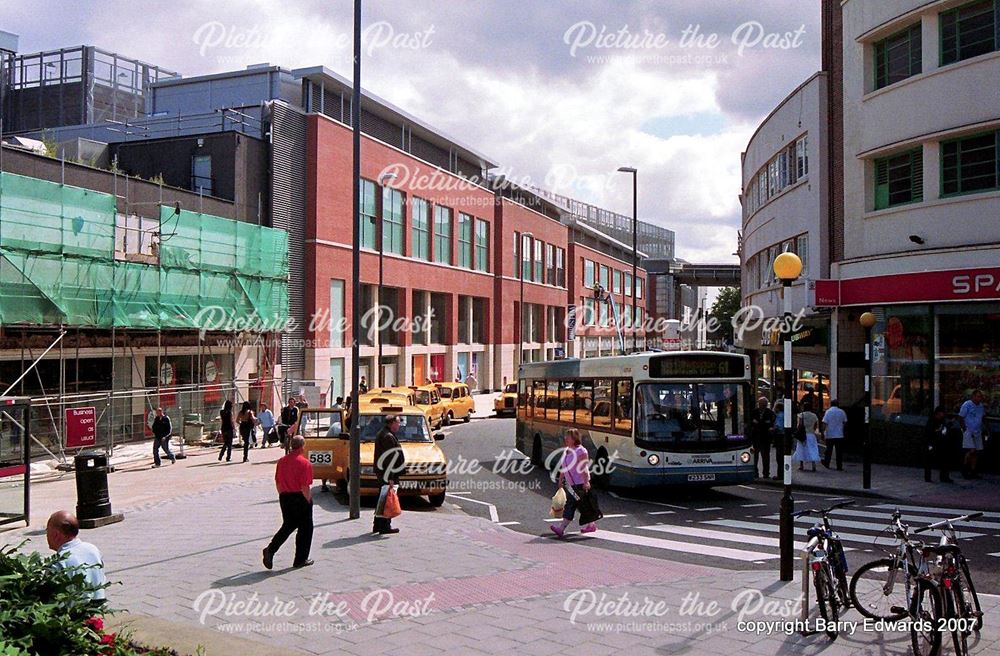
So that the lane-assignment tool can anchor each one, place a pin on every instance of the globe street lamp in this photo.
(787, 268)
(867, 321)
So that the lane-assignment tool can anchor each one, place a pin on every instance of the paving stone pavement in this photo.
(448, 583)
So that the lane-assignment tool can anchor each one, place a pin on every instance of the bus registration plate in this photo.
(695, 478)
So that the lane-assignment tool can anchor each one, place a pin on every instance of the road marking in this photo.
(913, 518)
(773, 528)
(708, 509)
(685, 547)
(725, 536)
(458, 494)
(951, 512)
(655, 503)
(494, 517)
(613, 516)
(753, 505)
(746, 487)
(660, 512)
(996, 555)
(508, 523)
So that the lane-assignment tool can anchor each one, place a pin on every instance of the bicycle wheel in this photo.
(878, 587)
(926, 609)
(954, 605)
(826, 597)
(973, 609)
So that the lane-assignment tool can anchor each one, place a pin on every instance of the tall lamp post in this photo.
(867, 321)
(635, 255)
(383, 183)
(787, 268)
(354, 479)
(525, 236)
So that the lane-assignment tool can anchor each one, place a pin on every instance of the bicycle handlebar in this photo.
(816, 511)
(947, 522)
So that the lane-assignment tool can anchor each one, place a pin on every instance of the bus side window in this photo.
(623, 405)
(552, 400)
(567, 401)
(537, 399)
(603, 403)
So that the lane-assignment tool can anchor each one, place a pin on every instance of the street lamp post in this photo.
(635, 256)
(383, 182)
(525, 236)
(867, 321)
(354, 479)
(787, 268)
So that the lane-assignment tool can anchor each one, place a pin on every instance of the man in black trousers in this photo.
(389, 465)
(293, 477)
(761, 425)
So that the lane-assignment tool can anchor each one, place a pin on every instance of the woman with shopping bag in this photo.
(574, 478)
(389, 464)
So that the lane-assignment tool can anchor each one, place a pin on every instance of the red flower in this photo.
(108, 638)
(95, 623)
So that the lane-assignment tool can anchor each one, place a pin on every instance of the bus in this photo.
(646, 419)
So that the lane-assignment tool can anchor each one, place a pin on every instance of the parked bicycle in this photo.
(828, 564)
(963, 614)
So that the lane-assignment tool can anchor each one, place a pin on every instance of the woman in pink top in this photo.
(574, 475)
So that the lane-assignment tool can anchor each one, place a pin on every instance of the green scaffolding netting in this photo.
(58, 265)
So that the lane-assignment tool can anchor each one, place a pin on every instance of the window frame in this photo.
(393, 224)
(914, 59)
(955, 12)
(916, 188)
(420, 229)
(465, 239)
(958, 164)
(481, 245)
(442, 237)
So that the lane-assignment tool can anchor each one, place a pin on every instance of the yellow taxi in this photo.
(426, 464)
(428, 397)
(457, 400)
(506, 403)
(432, 409)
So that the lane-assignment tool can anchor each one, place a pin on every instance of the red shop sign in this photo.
(81, 427)
(921, 287)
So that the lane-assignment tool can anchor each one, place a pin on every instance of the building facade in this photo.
(921, 189)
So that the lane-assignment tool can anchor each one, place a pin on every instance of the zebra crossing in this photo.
(739, 542)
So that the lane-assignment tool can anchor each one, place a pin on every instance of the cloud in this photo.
(502, 77)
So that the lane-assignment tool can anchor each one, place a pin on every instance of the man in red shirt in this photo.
(293, 477)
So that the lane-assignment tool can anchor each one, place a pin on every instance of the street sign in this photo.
(81, 427)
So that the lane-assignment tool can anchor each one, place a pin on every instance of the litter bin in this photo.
(93, 503)
(194, 428)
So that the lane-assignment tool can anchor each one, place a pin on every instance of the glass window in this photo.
(616, 281)
(689, 416)
(628, 284)
(392, 220)
(802, 250)
(902, 378)
(970, 164)
(623, 406)
(482, 245)
(464, 241)
(539, 264)
(567, 400)
(442, 234)
(588, 312)
(604, 315)
(602, 411)
(899, 179)
(897, 57)
(584, 401)
(640, 285)
(552, 400)
(802, 157)
(367, 217)
(793, 173)
(517, 255)
(526, 257)
(588, 274)
(201, 174)
(969, 357)
(968, 31)
(550, 264)
(412, 428)
(337, 324)
(560, 267)
(605, 278)
(421, 234)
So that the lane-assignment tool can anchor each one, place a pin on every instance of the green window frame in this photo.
(464, 240)
(899, 179)
(969, 31)
(420, 231)
(539, 261)
(482, 245)
(898, 56)
(368, 214)
(517, 255)
(971, 164)
(442, 234)
(392, 220)
(526, 257)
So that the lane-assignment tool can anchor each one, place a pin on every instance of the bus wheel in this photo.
(601, 464)
(536, 452)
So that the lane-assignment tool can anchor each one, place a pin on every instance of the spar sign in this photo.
(81, 427)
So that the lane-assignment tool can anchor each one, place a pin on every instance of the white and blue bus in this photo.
(647, 419)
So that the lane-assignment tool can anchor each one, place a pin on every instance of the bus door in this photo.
(15, 467)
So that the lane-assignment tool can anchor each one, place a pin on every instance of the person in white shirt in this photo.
(61, 533)
(833, 432)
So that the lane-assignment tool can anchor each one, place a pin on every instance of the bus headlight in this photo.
(745, 457)
(653, 459)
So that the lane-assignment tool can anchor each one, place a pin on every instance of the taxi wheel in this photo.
(447, 419)
(341, 486)
(468, 418)
(437, 500)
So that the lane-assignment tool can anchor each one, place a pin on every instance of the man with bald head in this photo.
(61, 532)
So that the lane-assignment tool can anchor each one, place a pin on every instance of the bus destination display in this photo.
(696, 366)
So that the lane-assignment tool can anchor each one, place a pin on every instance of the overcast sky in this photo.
(556, 91)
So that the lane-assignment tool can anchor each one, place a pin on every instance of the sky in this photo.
(557, 92)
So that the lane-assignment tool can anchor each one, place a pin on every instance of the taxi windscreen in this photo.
(412, 428)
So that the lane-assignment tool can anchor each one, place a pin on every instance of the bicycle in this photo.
(874, 590)
(828, 564)
(963, 614)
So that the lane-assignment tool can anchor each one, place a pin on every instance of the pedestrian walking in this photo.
(938, 436)
(289, 421)
(834, 420)
(574, 477)
(363, 386)
(971, 417)
(267, 425)
(293, 479)
(246, 420)
(761, 427)
(228, 430)
(806, 447)
(62, 535)
(161, 437)
(389, 465)
(778, 438)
